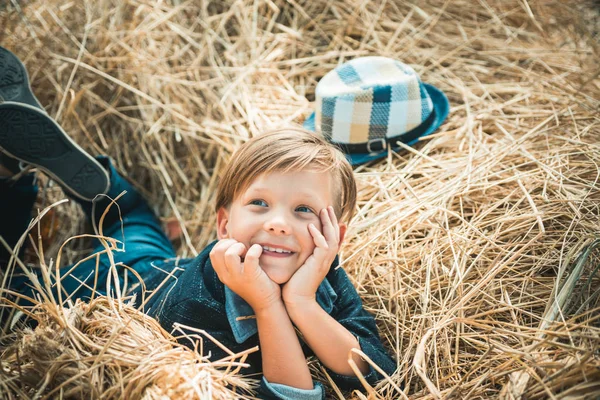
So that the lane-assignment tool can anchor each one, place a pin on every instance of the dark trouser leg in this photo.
(144, 243)
(144, 239)
(16, 202)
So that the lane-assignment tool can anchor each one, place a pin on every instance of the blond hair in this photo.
(285, 150)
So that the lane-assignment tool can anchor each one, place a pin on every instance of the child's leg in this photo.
(29, 135)
(134, 224)
(145, 242)
(16, 201)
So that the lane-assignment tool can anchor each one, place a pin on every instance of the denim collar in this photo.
(236, 307)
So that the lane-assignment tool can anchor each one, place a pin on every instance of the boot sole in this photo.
(14, 81)
(31, 136)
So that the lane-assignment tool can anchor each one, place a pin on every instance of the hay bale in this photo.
(91, 351)
(476, 250)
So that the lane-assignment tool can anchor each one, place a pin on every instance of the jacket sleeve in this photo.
(270, 391)
(349, 312)
(188, 301)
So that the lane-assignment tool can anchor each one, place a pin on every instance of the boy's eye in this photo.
(303, 209)
(258, 202)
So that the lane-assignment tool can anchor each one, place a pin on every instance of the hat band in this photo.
(380, 144)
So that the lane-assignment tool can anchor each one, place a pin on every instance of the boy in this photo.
(278, 210)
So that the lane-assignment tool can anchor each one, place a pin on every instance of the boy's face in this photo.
(274, 211)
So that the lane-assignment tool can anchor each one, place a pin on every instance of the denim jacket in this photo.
(195, 297)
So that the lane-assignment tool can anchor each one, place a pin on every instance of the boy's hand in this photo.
(246, 278)
(302, 286)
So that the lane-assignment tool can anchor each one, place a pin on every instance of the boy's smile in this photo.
(274, 212)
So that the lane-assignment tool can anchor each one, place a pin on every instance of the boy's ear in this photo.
(222, 223)
(343, 228)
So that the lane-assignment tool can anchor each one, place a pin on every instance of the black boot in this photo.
(31, 136)
(28, 135)
(14, 82)
(14, 86)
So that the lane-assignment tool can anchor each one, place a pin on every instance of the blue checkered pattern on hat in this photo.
(370, 98)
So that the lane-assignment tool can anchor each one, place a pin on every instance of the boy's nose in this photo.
(277, 224)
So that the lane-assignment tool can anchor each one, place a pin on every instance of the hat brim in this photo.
(441, 105)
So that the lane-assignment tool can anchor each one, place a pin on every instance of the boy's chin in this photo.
(277, 276)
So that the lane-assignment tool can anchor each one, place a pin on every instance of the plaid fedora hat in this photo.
(367, 104)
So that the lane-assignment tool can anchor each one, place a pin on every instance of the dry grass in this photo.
(476, 250)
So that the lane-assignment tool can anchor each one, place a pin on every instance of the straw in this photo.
(475, 249)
